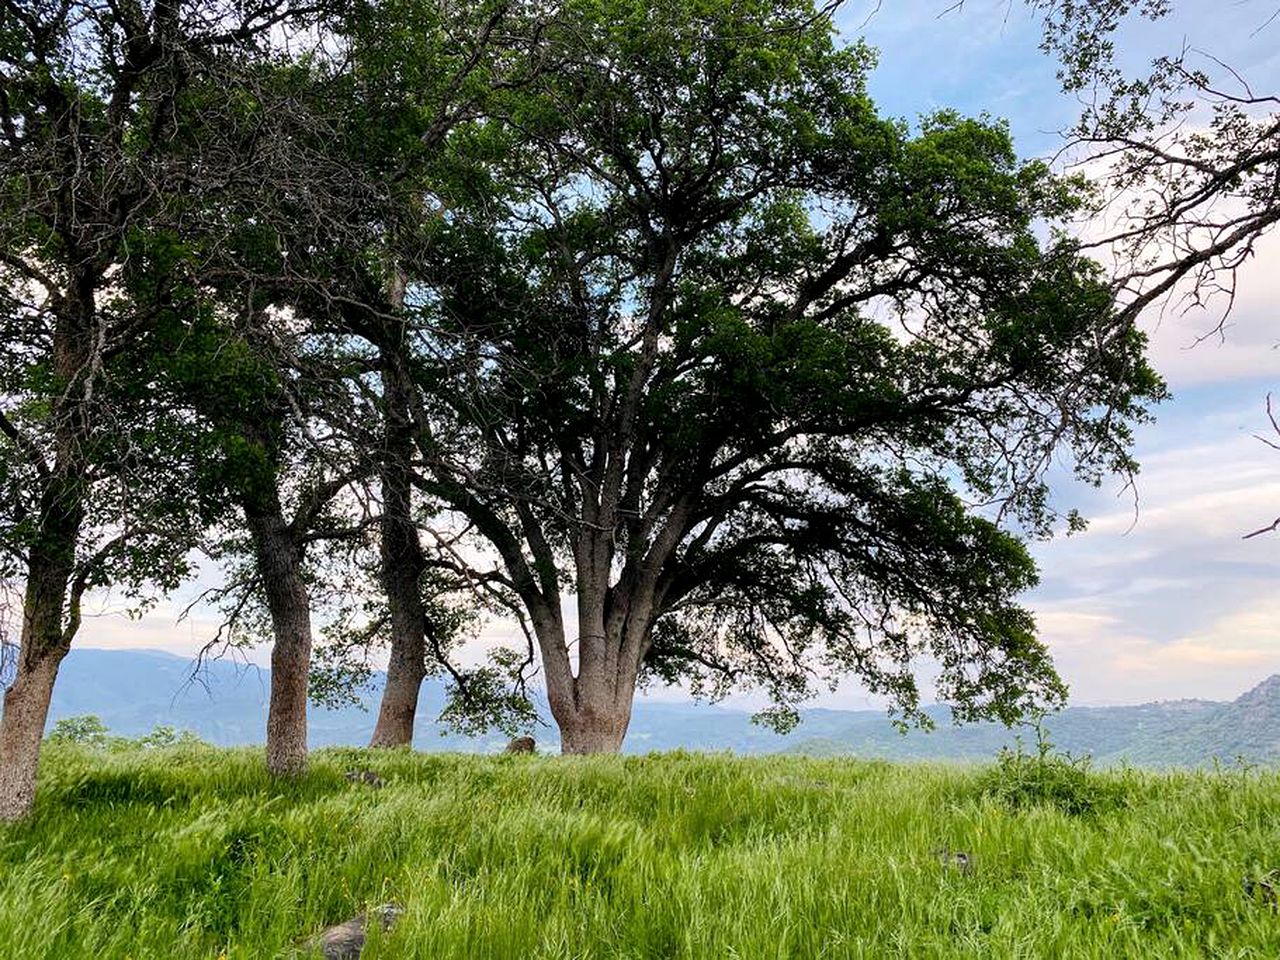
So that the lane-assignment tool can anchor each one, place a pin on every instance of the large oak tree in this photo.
(767, 383)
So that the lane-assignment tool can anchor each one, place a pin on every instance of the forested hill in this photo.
(132, 691)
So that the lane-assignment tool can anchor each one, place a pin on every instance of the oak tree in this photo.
(92, 97)
(766, 383)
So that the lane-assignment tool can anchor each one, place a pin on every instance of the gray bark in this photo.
(279, 564)
(593, 709)
(402, 558)
(597, 725)
(26, 708)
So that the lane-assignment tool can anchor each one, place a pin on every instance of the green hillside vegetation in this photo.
(1248, 726)
(192, 851)
(135, 691)
(1176, 733)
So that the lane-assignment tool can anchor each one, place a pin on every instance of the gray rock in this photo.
(1264, 889)
(957, 860)
(365, 776)
(522, 745)
(346, 940)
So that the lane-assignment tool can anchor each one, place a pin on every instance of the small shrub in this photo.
(85, 731)
(163, 735)
(89, 731)
(1047, 777)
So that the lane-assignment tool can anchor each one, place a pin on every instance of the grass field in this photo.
(194, 852)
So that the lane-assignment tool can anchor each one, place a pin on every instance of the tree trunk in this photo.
(399, 706)
(402, 566)
(26, 708)
(595, 730)
(594, 719)
(593, 709)
(280, 566)
(43, 644)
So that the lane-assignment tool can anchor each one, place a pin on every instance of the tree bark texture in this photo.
(26, 708)
(279, 562)
(402, 560)
(593, 709)
(598, 724)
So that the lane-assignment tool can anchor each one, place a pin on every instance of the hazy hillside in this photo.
(134, 690)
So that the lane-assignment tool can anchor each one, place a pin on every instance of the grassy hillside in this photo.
(193, 852)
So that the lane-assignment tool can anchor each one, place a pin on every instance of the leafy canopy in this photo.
(789, 373)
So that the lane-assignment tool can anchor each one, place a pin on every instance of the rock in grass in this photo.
(522, 745)
(957, 860)
(346, 940)
(365, 776)
(1264, 889)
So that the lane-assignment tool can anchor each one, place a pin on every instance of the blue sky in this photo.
(1163, 603)
(1170, 601)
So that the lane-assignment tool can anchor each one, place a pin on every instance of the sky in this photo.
(1160, 598)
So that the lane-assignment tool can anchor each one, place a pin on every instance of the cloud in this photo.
(1172, 602)
(1104, 660)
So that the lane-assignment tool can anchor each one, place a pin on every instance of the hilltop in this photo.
(194, 853)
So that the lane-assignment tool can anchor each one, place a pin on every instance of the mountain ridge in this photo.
(133, 690)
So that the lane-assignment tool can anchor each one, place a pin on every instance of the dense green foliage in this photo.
(768, 381)
(193, 852)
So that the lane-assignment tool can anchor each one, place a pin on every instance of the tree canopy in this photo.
(639, 304)
(756, 373)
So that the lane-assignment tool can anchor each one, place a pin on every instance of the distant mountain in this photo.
(133, 690)
(1247, 727)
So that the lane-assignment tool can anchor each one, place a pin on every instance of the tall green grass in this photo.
(194, 852)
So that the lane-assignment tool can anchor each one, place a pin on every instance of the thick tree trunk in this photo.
(592, 711)
(280, 566)
(26, 708)
(599, 729)
(42, 645)
(402, 566)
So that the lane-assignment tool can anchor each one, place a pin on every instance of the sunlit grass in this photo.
(195, 852)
